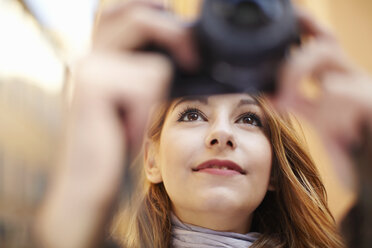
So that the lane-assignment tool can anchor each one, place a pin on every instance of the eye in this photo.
(250, 119)
(191, 114)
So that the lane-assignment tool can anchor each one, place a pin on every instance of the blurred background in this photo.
(40, 39)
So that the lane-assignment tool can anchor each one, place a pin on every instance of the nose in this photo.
(220, 137)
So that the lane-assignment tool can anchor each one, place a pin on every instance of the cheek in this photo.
(176, 148)
(258, 152)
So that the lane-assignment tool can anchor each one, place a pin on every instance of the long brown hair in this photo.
(295, 215)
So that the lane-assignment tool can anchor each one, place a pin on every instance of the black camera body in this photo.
(241, 44)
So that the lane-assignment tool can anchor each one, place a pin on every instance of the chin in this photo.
(220, 200)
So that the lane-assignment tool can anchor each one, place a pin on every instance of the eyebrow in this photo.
(202, 99)
(250, 101)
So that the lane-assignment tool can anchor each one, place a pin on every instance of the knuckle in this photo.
(156, 77)
(159, 68)
(135, 13)
(117, 10)
(128, 15)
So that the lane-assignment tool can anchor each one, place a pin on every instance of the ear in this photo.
(152, 168)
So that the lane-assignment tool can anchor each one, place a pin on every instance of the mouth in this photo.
(223, 167)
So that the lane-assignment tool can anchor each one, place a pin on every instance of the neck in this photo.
(218, 221)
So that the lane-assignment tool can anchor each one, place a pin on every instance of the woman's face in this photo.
(215, 159)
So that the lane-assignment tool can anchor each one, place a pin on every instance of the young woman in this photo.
(226, 163)
(218, 169)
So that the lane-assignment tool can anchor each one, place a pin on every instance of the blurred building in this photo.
(35, 52)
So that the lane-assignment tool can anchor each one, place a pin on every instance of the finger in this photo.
(121, 83)
(136, 24)
(119, 7)
(310, 26)
(120, 79)
(313, 60)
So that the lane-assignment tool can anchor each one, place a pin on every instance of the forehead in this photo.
(235, 100)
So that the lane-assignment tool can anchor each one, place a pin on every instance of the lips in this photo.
(216, 165)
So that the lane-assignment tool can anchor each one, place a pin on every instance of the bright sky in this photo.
(71, 18)
(25, 51)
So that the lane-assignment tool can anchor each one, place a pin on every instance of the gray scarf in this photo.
(190, 236)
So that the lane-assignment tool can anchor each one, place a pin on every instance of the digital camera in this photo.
(241, 44)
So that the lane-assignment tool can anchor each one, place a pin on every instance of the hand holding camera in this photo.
(115, 88)
(342, 104)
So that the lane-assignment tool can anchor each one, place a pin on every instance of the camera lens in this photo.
(247, 14)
